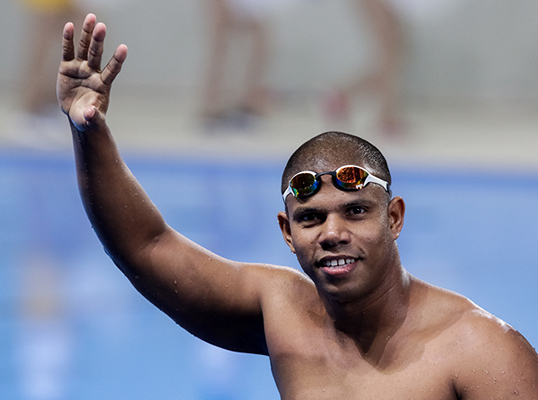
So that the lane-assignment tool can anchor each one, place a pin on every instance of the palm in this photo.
(79, 87)
(82, 86)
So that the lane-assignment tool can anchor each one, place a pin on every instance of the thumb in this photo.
(92, 119)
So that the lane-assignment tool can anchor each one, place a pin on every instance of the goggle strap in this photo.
(287, 192)
(373, 179)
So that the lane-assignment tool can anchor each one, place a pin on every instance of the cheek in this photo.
(304, 244)
(303, 238)
(304, 260)
(376, 237)
(303, 249)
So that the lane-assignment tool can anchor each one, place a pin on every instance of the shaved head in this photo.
(331, 150)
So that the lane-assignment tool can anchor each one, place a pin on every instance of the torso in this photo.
(311, 360)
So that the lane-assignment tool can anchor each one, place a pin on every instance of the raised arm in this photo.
(216, 299)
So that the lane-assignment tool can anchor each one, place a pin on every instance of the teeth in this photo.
(339, 262)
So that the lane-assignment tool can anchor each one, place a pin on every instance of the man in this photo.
(358, 327)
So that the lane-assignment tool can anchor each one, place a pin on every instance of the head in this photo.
(355, 227)
(336, 148)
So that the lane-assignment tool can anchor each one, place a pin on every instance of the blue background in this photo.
(470, 231)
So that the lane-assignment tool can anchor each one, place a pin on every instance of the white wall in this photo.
(458, 47)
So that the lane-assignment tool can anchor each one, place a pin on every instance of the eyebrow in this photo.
(360, 202)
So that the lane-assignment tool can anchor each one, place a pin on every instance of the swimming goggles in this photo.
(348, 177)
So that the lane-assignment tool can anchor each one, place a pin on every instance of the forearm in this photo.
(122, 215)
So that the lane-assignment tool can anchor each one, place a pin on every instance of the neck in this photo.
(370, 321)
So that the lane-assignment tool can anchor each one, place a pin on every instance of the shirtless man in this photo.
(357, 325)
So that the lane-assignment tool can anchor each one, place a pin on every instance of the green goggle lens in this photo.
(304, 184)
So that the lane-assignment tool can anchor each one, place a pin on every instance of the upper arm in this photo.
(496, 362)
(216, 299)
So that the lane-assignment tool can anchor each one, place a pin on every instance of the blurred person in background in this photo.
(382, 82)
(229, 19)
(37, 121)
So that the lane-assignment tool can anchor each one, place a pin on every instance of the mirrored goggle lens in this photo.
(304, 184)
(350, 177)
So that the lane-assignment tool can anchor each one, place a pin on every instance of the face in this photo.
(345, 240)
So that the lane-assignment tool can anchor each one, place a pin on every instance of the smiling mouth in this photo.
(338, 263)
(338, 267)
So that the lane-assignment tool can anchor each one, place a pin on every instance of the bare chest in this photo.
(313, 366)
(322, 378)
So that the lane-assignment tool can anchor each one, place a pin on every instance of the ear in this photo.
(396, 211)
(284, 223)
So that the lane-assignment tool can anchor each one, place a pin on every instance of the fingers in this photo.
(91, 42)
(67, 42)
(90, 48)
(113, 67)
(95, 50)
(85, 37)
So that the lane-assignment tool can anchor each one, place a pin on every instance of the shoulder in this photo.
(481, 350)
(491, 353)
(285, 289)
(284, 280)
(464, 323)
(275, 279)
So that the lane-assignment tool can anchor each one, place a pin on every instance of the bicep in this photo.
(216, 299)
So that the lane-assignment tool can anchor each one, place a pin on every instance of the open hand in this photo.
(83, 89)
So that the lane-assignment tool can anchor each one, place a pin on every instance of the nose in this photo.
(333, 232)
